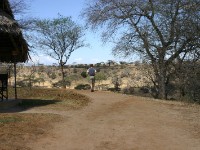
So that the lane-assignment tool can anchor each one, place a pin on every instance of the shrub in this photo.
(98, 69)
(144, 90)
(61, 84)
(22, 83)
(84, 74)
(128, 90)
(82, 87)
(100, 76)
(52, 75)
(75, 70)
(125, 73)
(117, 82)
(114, 89)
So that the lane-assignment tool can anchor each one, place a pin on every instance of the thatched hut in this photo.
(13, 46)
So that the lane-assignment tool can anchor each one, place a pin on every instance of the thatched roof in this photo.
(13, 47)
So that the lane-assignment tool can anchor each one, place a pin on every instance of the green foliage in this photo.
(73, 77)
(61, 84)
(80, 66)
(170, 32)
(82, 87)
(123, 62)
(84, 74)
(100, 76)
(98, 64)
(58, 38)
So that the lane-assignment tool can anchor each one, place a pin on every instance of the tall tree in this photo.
(59, 37)
(20, 9)
(158, 30)
(18, 6)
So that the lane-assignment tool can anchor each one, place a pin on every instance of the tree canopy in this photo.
(58, 38)
(160, 31)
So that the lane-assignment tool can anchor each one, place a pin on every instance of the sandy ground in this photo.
(120, 122)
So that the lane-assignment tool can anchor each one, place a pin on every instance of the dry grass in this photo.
(17, 129)
(61, 99)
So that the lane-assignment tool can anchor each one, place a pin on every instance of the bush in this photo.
(75, 70)
(117, 82)
(128, 90)
(100, 76)
(61, 84)
(144, 90)
(114, 89)
(22, 84)
(52, 75)
(82, 87)
(84, 74)
(98, 70)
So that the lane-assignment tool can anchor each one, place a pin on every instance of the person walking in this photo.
(91, 72)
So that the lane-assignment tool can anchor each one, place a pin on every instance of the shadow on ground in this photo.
(24, 104)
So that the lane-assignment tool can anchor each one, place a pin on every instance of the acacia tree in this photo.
(159, 31)
(18, 6)
(59, 37)
(20, 10)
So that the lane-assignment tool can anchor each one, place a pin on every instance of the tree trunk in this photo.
(161, 82)
(63, 76)
(30, 83)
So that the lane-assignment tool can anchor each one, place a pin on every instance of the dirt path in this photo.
(118, 122)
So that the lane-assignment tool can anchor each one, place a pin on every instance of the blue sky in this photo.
(96, 52)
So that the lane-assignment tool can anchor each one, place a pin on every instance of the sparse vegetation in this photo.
(82, 87)
(50, 98)
(128, 90)
(16, 127)
(84, 74)
(183, 85)
(117, 81)
(160, 32)
(100, 77)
